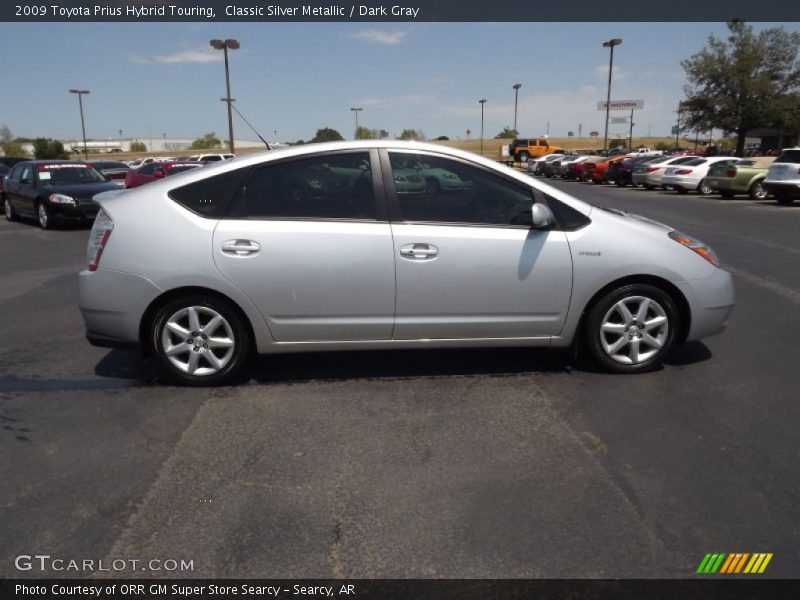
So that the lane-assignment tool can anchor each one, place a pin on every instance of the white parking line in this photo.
(767, 284)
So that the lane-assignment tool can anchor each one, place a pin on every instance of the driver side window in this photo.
(442, 190)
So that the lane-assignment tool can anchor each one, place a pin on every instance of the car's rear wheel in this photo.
(11, 214)
(758, 191)
(705, 189)
(632, 328)
(199, 340)
(44, 216)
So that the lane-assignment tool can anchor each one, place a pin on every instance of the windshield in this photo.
(61, 174)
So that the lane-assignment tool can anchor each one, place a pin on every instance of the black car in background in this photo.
(621, 172)
(53, 191)
(3, 172)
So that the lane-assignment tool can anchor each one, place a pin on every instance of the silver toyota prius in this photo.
(347, 246)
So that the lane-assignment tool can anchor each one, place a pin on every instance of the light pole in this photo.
(356, 110)
(224, 45)
(482, 102)
(609, 44)
(516, 97)
(83, 127)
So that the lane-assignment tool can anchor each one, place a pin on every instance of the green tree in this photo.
(364, 133)
(9, 145)
(745, 82)
(46, 148)
(138, 147)
(507, 133)
(326, 134)
(411, 134)
(209, 140)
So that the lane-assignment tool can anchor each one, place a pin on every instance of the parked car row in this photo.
(757, 177)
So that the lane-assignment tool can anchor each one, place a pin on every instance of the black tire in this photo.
(757, 191)
(11, 214)
(661, 304)
(704, 188)
(784, 198)
(727, 195)
(524, 156)
(44, 215)
(206, 307)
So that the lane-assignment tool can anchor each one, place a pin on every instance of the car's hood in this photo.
(635, 219)
(82, 190)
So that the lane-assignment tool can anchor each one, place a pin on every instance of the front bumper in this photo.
(711, 301)
(83, 211)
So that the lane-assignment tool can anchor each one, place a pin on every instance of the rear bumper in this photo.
(780, 188)
(112, 304)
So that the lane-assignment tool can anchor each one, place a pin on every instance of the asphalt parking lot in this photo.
(479, 463)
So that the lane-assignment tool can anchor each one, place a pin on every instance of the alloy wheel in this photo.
(44, 216)
(198, 341)
(634, 330)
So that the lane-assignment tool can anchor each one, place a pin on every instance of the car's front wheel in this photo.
(199, 340)
(631, 329)
(44, 215)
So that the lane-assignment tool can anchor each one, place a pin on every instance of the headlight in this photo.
(696, 246)
(61, 199)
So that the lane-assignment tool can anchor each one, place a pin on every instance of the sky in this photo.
(150, 79)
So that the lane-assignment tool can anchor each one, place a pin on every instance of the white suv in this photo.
(212, 157)
(783, 177)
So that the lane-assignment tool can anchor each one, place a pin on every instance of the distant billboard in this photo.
(622, 104)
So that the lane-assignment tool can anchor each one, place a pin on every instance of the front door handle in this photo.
(241, 247)
(419, 251)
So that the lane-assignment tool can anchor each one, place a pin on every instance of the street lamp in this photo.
(224, 45)
(516, 96)
(83, 127)
(482, 102)
(609, 44)
(356, 110)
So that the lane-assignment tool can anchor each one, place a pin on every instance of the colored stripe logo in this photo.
(734, 563)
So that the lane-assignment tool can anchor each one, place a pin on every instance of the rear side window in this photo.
(331, 186)
(789, 156)
(209, 197)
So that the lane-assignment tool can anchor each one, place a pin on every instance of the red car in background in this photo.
(158, 170)
(598, 170)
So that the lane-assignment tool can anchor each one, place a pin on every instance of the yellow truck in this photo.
(521, 149)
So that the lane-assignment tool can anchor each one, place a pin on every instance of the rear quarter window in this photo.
(210, 197)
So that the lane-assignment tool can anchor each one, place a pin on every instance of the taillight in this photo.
(98, 238)
(730, 173)
(683, 172)
(651, 169)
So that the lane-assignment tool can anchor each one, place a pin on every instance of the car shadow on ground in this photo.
(392, 364)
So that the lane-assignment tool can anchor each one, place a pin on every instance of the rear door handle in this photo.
(419, 251)
(241, 247)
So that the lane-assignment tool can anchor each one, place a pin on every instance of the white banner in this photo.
(621, 104)
(619, 120)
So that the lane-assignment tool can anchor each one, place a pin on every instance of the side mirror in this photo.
(542, 216)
